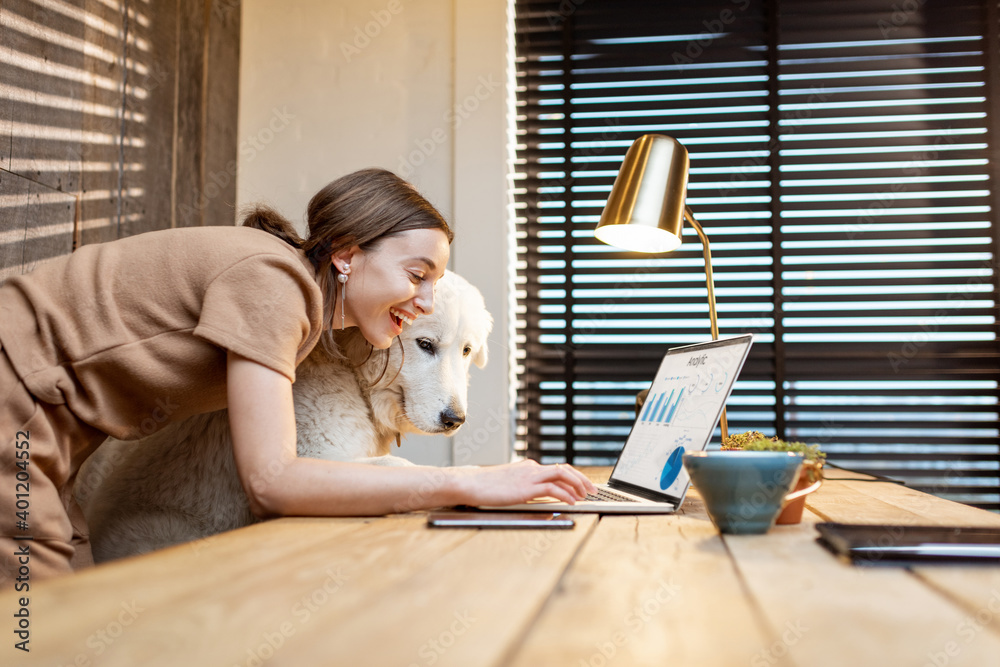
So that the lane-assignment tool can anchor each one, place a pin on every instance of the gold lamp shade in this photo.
(645, 211)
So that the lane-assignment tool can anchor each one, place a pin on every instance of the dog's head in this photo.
(424, 388)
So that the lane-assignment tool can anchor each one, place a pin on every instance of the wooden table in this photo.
(617, 590)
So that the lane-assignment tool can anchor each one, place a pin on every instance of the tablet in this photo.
(499, 520)
(911, 545)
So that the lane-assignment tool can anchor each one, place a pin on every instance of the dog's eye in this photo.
(467, 351)
(425, 344)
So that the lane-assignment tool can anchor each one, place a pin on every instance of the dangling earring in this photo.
(342, 279)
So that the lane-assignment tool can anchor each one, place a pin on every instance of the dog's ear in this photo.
(480, 356)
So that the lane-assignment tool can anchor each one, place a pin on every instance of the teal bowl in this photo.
(743, 491)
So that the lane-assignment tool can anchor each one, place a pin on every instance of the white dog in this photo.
(180, 483)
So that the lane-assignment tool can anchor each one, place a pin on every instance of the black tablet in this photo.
(911, 545)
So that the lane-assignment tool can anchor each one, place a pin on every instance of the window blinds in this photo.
(842, 165)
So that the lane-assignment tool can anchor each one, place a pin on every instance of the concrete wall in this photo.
(415, 86)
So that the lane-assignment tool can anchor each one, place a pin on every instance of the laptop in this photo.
(680, 414)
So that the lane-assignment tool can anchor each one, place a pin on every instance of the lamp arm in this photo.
(710, 283)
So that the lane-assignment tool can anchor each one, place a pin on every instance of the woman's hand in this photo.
(520, 482)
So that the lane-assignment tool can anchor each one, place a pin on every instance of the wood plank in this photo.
(649, 590)
(190, 133)
(37, 224)
(6, 99)
(198, 601)
(14, 215)
(931, 508)
(41, 91)
(222, 97)
(883, 502)
(975, 589)
(148, 165)
(837, 614)
(838, 501)
(465, 608)
(100, 213)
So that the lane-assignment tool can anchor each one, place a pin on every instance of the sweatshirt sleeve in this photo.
(265, 308)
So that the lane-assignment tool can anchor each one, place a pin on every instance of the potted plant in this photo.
(812, 464)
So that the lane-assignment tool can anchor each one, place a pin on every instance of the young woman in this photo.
(123, 337)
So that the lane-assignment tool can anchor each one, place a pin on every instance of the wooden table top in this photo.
(615, 590)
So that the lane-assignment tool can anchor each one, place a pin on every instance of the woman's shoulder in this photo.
(209, 237)
(215, 243)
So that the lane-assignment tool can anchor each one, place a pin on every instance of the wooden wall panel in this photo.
(102, 123)
(42, 77)
(147, 201)
(221, 105)
(37, 224)
(14, 212)
(6, 98)
(191, 20)
(120, 114)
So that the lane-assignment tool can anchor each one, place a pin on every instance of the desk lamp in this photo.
(646, 210)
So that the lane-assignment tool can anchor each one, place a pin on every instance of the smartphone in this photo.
(499, 520)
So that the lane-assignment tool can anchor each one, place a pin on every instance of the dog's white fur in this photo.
(180, 483)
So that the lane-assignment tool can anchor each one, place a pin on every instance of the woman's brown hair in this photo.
(360, 209)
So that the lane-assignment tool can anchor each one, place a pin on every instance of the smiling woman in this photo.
(197, 319)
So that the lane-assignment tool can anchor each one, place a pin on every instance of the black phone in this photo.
(442, 519)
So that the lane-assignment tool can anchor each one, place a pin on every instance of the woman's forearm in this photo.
(314, 487)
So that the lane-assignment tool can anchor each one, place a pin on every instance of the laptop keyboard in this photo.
(607, 494)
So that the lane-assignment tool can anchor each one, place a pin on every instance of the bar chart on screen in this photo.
(661, 407)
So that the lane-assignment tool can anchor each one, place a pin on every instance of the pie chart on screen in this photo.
(672, 468)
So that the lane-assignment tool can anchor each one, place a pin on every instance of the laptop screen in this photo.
(681, 411)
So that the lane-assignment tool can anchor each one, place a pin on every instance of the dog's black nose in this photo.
(451, 419)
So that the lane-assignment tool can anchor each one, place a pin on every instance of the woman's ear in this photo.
(342, 259)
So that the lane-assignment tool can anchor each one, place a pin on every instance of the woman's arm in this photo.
(278, 483)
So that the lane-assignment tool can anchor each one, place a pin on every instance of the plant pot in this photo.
(792, 513)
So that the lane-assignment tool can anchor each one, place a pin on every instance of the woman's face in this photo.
(394, 283)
